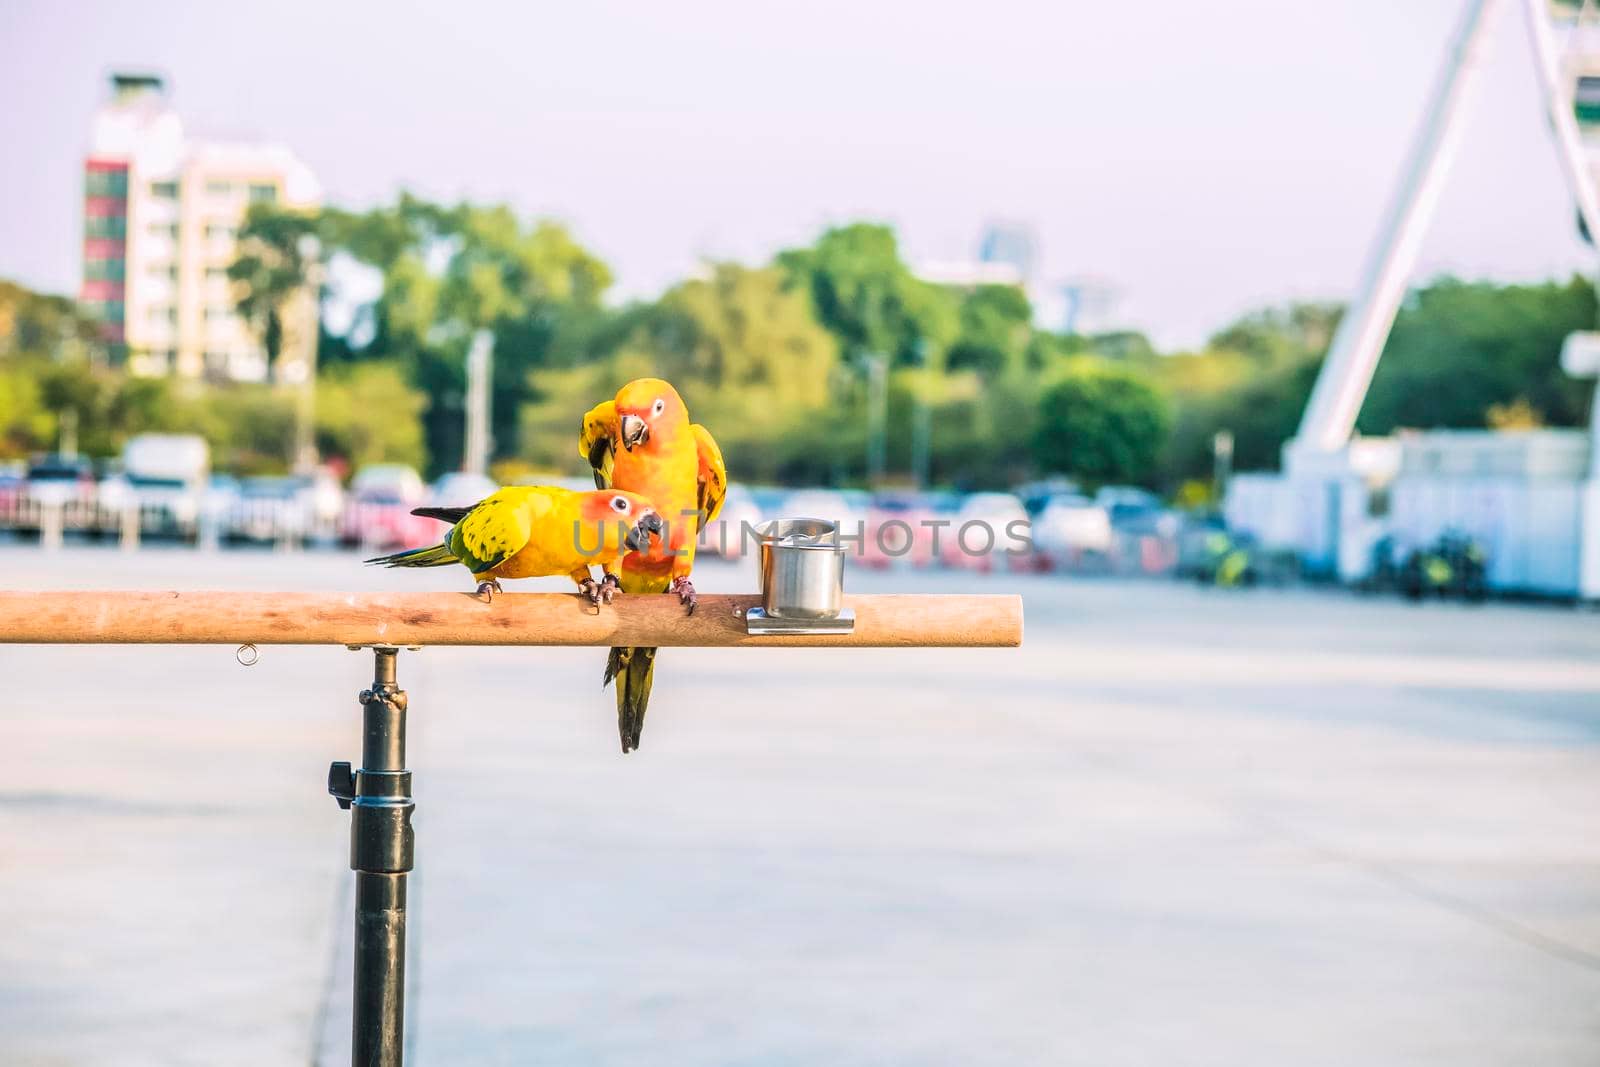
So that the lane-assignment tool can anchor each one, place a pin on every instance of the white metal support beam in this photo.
(1330, 416)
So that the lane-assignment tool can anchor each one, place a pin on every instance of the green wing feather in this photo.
(492, 532)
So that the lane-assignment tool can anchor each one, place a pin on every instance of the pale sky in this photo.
(1205, 158)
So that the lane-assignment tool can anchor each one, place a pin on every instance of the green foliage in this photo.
(1461, 355)
(1459, 348)
(277, 247)
(449, 271)
(1277, 337)
(775, 358)
(250, 427)
(40, 326)
(25, 425)
(369, 414)
(996, 330)
(867, 297)
(981, 427)
(740, 344)
(1100, 423)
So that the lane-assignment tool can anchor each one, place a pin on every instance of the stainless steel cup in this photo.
(802, 569)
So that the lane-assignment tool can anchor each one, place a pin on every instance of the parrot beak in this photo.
(638, 538)
(635, 432)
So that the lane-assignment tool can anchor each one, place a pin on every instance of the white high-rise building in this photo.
(161, 216)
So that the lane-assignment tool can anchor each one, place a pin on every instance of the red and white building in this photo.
(162, 212)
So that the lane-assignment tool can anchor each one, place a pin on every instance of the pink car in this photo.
(378, 512)
(991, 531)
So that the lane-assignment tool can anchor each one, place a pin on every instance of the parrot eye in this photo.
(658, 407)
(620, 503)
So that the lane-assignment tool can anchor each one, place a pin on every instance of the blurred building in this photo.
(162, 213)
(1005, 257)
(1011, 243)
(1008, 254)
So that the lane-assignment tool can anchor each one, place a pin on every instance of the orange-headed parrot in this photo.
(643, 442)
(532, 531)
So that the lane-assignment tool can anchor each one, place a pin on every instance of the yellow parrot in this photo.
(643, 442)
(533, 531)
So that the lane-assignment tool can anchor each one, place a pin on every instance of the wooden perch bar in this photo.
(238, 618)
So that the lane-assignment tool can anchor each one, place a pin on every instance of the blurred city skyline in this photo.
(1202, 161)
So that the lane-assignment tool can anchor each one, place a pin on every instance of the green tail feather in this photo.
(435, 556)
(633, 669)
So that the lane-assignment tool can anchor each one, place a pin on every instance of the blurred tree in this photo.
(1100, 423)
(1277, 336)
(277, 248)
(44, 326)
(866, 295)
(450, 271)
(1128, 346)
(370, 414)
(1460, 355)
(982, 429)
(741, 346)
(996, 329)
(1458, 349)
(445, 272)
(250, 428)
(25, 425)
(81, 393)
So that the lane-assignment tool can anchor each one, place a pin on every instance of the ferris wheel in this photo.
(1565, 42)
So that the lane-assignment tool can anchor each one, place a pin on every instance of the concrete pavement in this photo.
(1179, 826)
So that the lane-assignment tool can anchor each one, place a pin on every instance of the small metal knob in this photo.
(342, 783)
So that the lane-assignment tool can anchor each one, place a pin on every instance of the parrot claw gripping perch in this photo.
(487, 590)
(601, 592)
(685, 590)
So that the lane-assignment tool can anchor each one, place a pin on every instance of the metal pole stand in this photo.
(381, 846)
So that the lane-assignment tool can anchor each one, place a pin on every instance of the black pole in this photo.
(381, 846)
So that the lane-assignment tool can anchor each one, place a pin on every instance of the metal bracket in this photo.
(758, 622)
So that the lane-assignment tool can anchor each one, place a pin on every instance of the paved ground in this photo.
(1179, 826)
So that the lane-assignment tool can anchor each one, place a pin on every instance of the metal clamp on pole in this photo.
(381, 849)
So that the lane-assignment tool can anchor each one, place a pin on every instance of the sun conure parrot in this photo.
(643, 442)
(533, 531)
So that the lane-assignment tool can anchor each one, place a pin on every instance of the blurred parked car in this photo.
(997, 529)
(769, 499)
(460, 489)
(274, 510)
(378, 511)
(1136, 511)
(731, 534)
(61, 484)
(166, 478)
(1035, 496)
(1145, 530)
(1072, 531)
(901, 524)
(12, 477)
(324, 503)
(834, 506)
(216, 504)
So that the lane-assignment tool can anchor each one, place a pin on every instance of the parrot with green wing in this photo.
(534, 531)
(642, 442)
